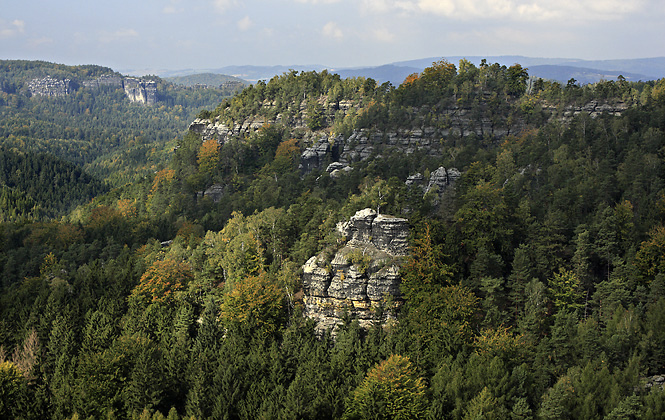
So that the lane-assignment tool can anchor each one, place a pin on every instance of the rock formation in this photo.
(137, 90)
(49, 86)
(141, 91)
(221, 132)
(362, 278)
(214, 192)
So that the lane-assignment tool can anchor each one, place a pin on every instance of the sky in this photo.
(209, 34)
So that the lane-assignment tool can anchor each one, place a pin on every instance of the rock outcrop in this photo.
(137, 90)
(214, 192)
(49, 86)
(141, 91)
(362, 279)
(594, 109)
(221, 132)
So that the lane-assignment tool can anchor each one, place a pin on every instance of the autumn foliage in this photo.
(391, 390)
(162, 281)
(162, 178)
(410, 79)
(650, 259)
(208, 156)
(255, 302)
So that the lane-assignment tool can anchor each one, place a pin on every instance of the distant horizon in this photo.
(433, 58)
(560, 69)
(395, 63)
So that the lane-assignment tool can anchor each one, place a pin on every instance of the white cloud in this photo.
(223, 5)
(383, 35)
(317, 1)
(386, 6)
(245, 23)
(331, 30)
(10, 29)
(38, 42)
(119, 35)
(528, 9)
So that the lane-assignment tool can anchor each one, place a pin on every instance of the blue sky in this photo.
(206, 34)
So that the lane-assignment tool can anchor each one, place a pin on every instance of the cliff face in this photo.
(223, 131)
(362, 279)
(141, 91)
(137, 90)
(431, 131)
(49, 86)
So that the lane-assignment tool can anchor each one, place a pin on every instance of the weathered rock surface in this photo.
(654, 381)
(362, 279)
(141, 91)
(214, 192)
(49, 86)
(137, 90)
(441, 179)
(221, 132)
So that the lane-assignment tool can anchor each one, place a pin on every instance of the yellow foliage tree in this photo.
(10, 382)
(390, 390)
(499, 341)
(256, 303)
(650, 259)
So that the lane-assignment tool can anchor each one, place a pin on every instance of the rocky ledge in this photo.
(362, 279)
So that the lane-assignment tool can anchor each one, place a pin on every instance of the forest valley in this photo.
(534, 288)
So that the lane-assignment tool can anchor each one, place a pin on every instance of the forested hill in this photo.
(85, 115)
(534, 287)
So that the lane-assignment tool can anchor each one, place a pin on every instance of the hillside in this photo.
(472, 243)
(115, 127)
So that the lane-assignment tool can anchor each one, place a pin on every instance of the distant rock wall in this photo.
(362, 279)
(137, 90)
(141, 91)
(49, 86)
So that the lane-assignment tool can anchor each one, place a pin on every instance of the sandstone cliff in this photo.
(362, 278)
(141, 91)
(49, 86)
(137, 90)
(428, 132)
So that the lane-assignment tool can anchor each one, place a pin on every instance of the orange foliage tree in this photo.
(208, 156)
(162, 281)
(127, 207)
(410, 79)
(162, 179)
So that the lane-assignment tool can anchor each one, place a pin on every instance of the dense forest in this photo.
(98, 129)
(533, 289)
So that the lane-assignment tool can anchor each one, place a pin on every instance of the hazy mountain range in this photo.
(560, 69)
